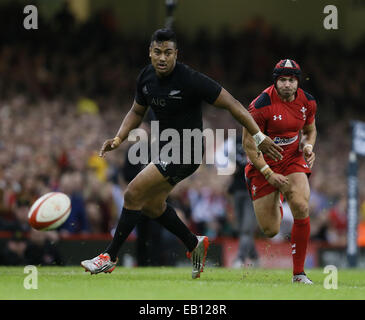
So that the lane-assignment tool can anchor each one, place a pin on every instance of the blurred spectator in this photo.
(36, 249)
(100, 208)
(13, 253)
(318, 208)
(337, 222)
(19, 220)
(71, 184)
(208, 203)
(41, 248)
(94, 217)
(21, 211)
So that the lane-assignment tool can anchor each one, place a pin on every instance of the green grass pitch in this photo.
(166, 283)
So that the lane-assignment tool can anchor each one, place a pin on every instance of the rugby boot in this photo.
(301, 278)
(101, 263)
(198, 256)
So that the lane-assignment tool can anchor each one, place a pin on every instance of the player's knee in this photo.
(300, 210)
(271, 232)
(132, 197)
(153, 211)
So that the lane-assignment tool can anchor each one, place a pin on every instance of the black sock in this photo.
(127, 221)
(172, 222)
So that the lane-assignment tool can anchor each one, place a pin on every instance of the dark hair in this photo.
(162, 35)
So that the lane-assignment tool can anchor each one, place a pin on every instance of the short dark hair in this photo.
(162, 35)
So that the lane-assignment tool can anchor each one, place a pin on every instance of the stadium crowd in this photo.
(65, 88)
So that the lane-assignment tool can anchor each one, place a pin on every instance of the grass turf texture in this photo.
(166, 283)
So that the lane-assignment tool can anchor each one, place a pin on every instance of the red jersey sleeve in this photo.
(311, 112)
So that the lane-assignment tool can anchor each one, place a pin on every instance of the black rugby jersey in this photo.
(177, 98)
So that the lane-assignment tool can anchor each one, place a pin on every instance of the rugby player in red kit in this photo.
(285, 113)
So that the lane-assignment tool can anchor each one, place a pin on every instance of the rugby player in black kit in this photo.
(175, 93)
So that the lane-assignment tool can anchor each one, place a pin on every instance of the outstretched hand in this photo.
(109, 145)
(268, 147)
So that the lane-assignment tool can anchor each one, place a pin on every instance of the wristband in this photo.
(266, 171)
(264, 168)
(259, 137)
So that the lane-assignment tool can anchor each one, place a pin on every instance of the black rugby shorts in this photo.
(176, 172)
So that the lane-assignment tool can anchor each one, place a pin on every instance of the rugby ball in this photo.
(49, 211)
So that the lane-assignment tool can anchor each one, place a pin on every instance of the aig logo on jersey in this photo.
(277, 117)
(158, 102)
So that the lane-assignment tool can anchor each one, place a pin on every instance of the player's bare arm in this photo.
(131, 121)
(309, 139)
(257, 159)
(226, 101)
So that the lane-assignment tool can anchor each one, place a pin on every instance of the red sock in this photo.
(299, 240)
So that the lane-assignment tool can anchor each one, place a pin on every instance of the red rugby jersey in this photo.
(282, 121)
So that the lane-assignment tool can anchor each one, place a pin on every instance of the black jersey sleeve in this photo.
(139, 96)
(204, 87)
